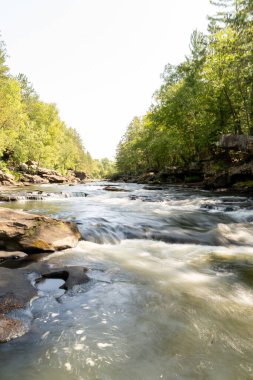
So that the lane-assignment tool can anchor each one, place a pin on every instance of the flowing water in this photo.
(170, 295)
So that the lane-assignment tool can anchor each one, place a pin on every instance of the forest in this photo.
(206, 96)
(31, 129)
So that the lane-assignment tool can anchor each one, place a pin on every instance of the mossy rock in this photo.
(243, 185)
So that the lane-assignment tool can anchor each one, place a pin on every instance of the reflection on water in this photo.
(170, 295)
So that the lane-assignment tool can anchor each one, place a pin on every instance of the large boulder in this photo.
(6, 179)
(23, 167)
(242, 172)
(237, 142)
(53, 178)
(21, 231)
(46, 172)
(33, 178)
(80, 175)
(33, 173)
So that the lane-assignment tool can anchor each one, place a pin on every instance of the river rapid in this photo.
(170, 295)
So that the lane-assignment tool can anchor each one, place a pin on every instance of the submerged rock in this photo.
(114, 188)
(4, 255)
(153, 188)
(70, 275)
(15, 292)
(10, 328)
(35, 233)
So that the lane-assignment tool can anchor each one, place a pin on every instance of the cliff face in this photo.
(232, 166)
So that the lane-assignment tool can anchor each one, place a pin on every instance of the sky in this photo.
(99, 61)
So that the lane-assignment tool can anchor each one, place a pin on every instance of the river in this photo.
(170, 295)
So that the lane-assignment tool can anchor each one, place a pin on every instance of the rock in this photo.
(38, 196)
(243, 186)
(237, 142)
(9, 198)
(114, 188)
(80, 174)
(44, 172)
(34, 174)
(71, 275)
(32, 163)
(35, 233)
(229, 176)
(56, 179)
(241, 173)
(33, 178)
(23, 167)
(15, 292)
(7, 179)
(10, 329)
(153, 188)
(11, 255)
(218, 180)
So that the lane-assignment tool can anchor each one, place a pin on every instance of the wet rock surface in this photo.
(31, 233)
(15, 292)
(10, 329)
(71, 276)
(4, 255)
(114, 188)
(15, 289)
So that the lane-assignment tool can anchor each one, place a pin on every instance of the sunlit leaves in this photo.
(208, 94)
(31, 129)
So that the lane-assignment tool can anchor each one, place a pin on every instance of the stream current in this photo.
(170, 294)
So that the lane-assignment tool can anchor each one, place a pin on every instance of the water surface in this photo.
(170, 295)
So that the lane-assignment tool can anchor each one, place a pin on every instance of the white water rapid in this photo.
(170, 294)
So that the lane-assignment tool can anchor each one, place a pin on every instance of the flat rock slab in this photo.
(70, 275)
(10, 329)
(31, 233)
(4, 255)
(15, 292)
(153, 188)
(114, 188)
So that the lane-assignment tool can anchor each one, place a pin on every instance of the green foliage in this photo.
(103, 168)
(208, 94)
(31, 129)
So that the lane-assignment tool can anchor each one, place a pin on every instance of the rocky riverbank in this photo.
(229, 167)
(31, 173)
(23, 238)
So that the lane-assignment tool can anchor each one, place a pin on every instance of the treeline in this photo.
(31, 129)
(207, 95)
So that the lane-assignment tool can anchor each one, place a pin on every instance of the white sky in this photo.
(99, 60)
